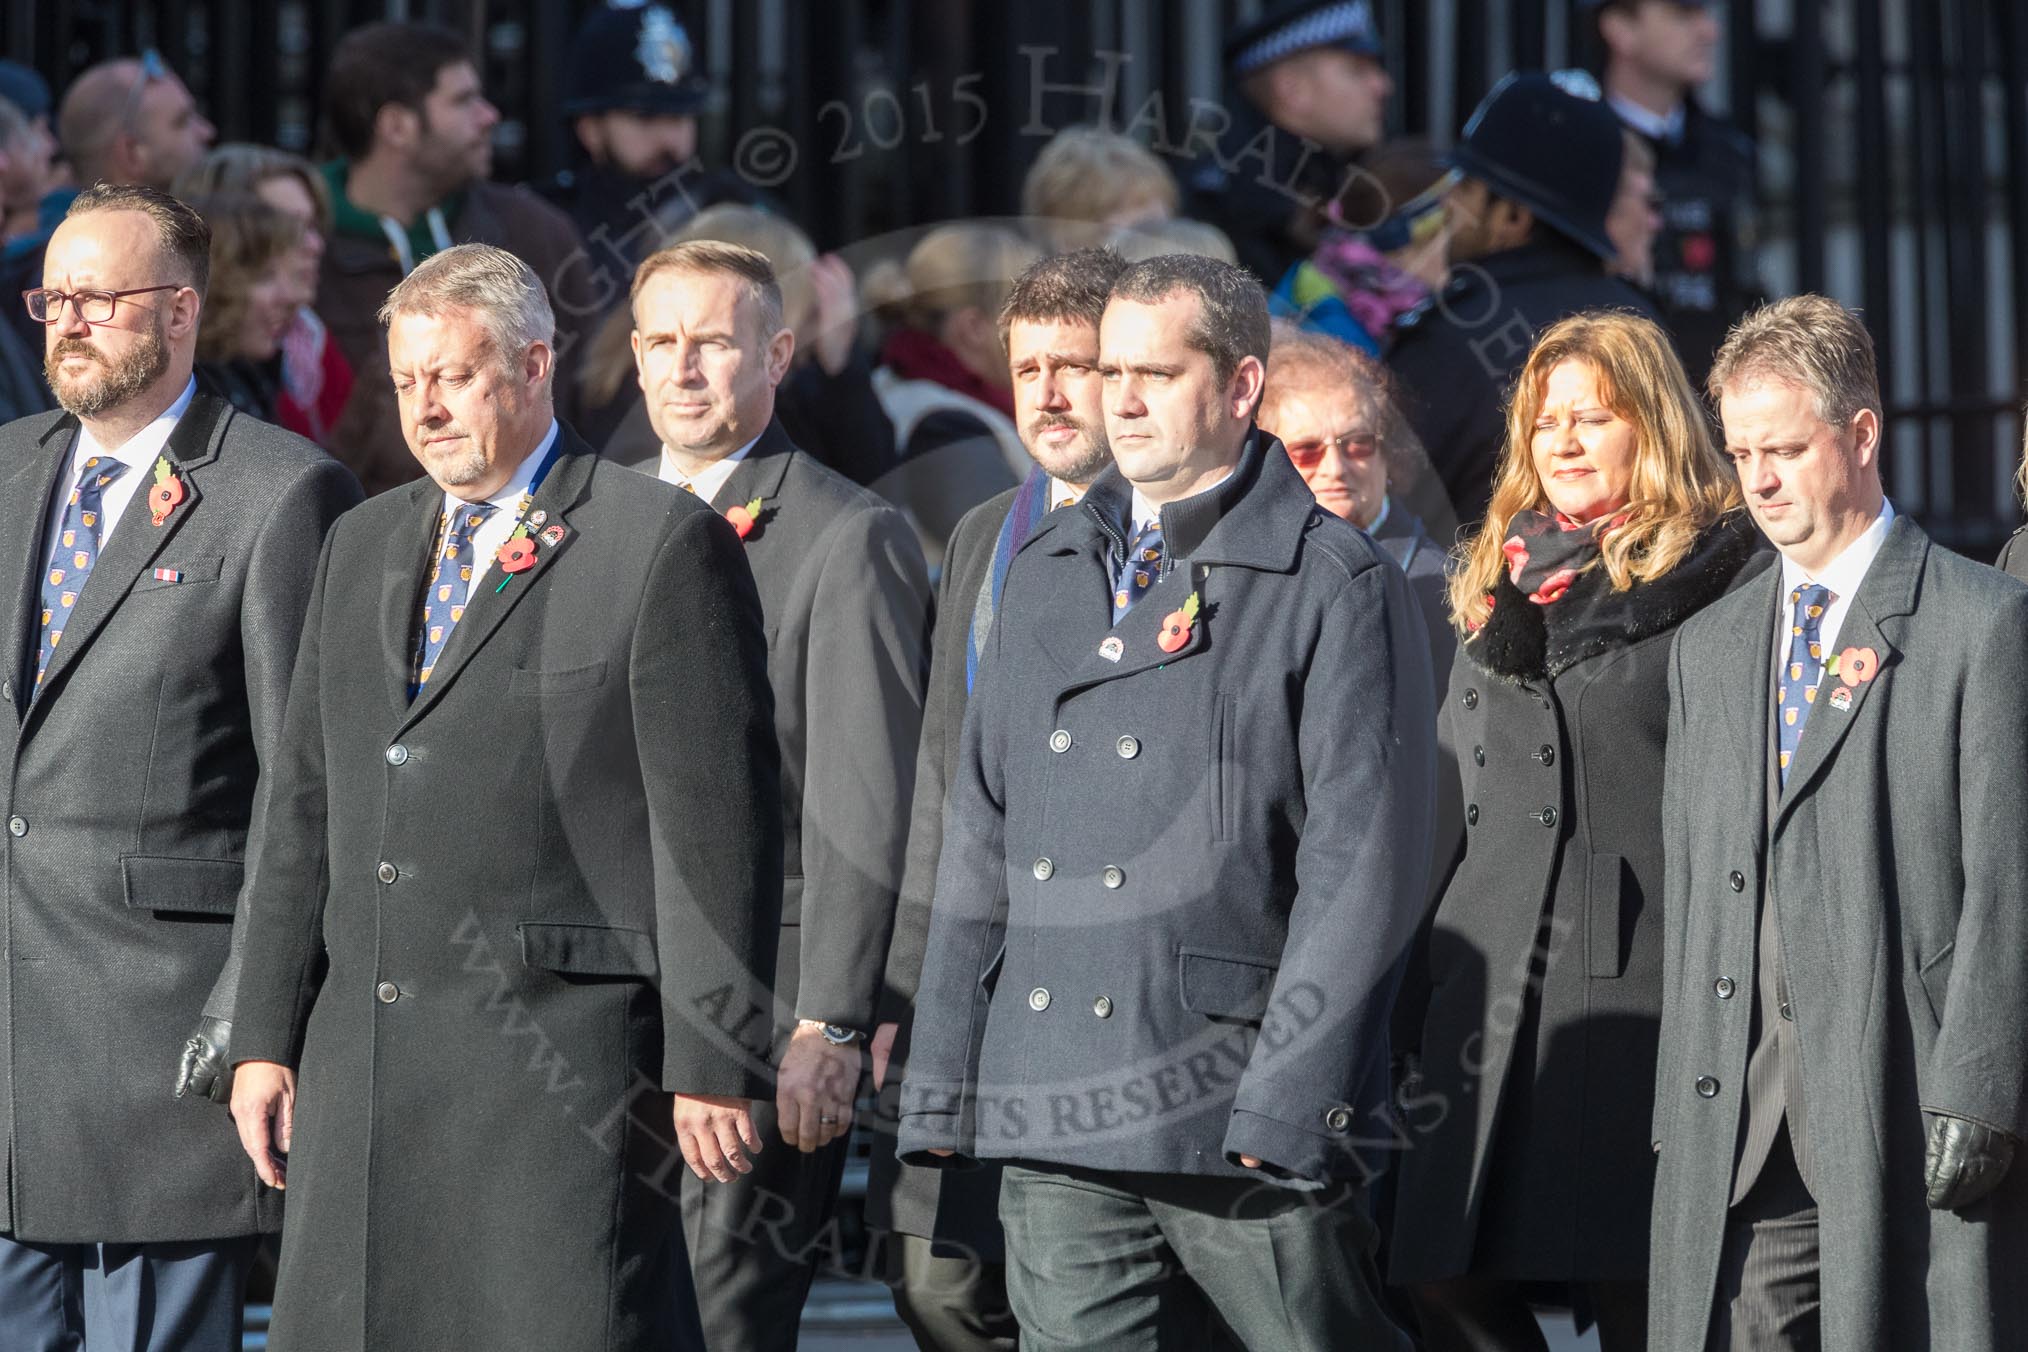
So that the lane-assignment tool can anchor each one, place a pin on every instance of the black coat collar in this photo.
(1522, 641)
(1255, 518)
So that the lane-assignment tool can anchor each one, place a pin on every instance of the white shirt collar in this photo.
(1844, 573)
(140, 450)
(707, 481)
(1061, 492)
(508, 499)
(1649, 123)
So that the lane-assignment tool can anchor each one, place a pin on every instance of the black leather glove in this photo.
(202, 1070)
(1965, 1161)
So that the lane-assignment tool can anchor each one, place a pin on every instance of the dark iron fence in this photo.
(1894, 136)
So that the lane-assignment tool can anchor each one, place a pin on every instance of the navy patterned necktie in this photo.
(75, 555)
(450, 584)
(1138, 570)
(1798, 689)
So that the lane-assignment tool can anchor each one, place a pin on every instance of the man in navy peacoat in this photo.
(1184, 853)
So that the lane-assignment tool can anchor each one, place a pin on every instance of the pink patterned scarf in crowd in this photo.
(1545, 553)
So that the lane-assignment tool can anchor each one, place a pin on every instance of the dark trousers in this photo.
(1768, 1291)
(1128, 1262)
(124, 1297)
(950, 1300)
(756, 1242)
(1478, 1314)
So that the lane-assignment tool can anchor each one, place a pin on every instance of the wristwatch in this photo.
(837, 1034)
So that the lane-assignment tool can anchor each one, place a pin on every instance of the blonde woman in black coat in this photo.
(1613, 520)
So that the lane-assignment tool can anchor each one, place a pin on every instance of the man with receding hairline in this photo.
(158, 549)
(846, 598)
(1841, 1090)
(525, 845)
(131, 121)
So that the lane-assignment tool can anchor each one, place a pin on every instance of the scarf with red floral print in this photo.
(1545, 553)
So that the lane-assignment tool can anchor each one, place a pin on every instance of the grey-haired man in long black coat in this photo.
(1185, 854)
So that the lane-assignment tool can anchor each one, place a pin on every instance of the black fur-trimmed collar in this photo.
(1522, 641)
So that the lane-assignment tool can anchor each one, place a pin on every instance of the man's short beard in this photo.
(1090, 460)
(117, 382)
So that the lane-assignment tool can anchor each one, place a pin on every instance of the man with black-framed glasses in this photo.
(132, 121)
(156, 556)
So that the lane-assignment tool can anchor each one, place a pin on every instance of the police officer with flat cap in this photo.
(635, 89)
(1316, 94)
(1656, 54)
(1541, 159)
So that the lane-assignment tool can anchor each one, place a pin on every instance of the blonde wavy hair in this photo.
(1680, 483)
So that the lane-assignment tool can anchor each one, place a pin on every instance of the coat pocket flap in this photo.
(180, 573)
(525, 682)
(182, 886)
(587, 950)
(1935, 976)
(989, 976)
(1604, 914)
(1225, 986)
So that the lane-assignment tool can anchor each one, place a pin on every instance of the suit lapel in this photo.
(1831, 717)
(29, 487)
(490, 602)
(758, 477)
(1748, 665)
(405, 571)
(139, 538)
(1137, 648)
(1888, 590)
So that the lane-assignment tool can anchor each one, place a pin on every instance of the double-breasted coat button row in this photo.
(1103, 1007)
(1128, 746)
(1038, 999)
(1113, 876)
(1707, 1087)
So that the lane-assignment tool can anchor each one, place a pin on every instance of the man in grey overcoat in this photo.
(845, 597)
(158, 550)
(519, 885)
(1184, 854)
(1840, 1090)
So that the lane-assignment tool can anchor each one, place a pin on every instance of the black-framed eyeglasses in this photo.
(153, 68)
(45, 306)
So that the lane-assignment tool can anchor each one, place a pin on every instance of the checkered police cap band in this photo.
(1347, 25)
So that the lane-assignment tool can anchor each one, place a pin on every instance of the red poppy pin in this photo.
(1177, 626)
(167, 492)
(1856, 666)
(744, 517)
